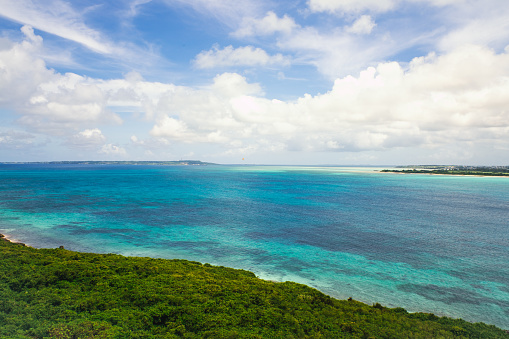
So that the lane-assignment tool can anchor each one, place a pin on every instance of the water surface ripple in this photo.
(426, 243)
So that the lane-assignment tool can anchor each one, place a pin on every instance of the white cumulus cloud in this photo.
(14, 139)
(437, 102)
(88, 138)
(268, 25)
(114, 150)
(242, 56)
(363, 25)
(47, 100)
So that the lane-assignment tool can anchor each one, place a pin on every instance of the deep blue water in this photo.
(426, 243)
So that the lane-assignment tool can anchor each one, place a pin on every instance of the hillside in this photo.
(58, 293)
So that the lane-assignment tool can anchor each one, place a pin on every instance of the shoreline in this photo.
(446, 174)
(8, 238)
(216, 301)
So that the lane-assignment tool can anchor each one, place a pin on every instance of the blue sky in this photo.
(374, 82)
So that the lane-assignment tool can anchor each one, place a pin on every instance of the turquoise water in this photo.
(426, 243)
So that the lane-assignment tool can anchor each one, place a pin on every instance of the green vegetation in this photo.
(58, 293)
(455, 170)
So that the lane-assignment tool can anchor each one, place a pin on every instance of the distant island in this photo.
(499, 171)
(146, 163)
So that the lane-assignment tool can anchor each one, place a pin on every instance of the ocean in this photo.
(427, 243)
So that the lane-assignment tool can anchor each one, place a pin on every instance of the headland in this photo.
(62, 294)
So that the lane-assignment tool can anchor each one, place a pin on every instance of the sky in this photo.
(316, 82)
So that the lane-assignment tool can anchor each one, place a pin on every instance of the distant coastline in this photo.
(86, 162)
(482, 171)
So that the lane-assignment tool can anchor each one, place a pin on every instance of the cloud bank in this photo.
(456, 100)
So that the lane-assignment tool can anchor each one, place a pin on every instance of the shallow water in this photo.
(426, 243)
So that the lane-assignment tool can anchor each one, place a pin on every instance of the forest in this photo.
(57, 293)
(498, 171)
